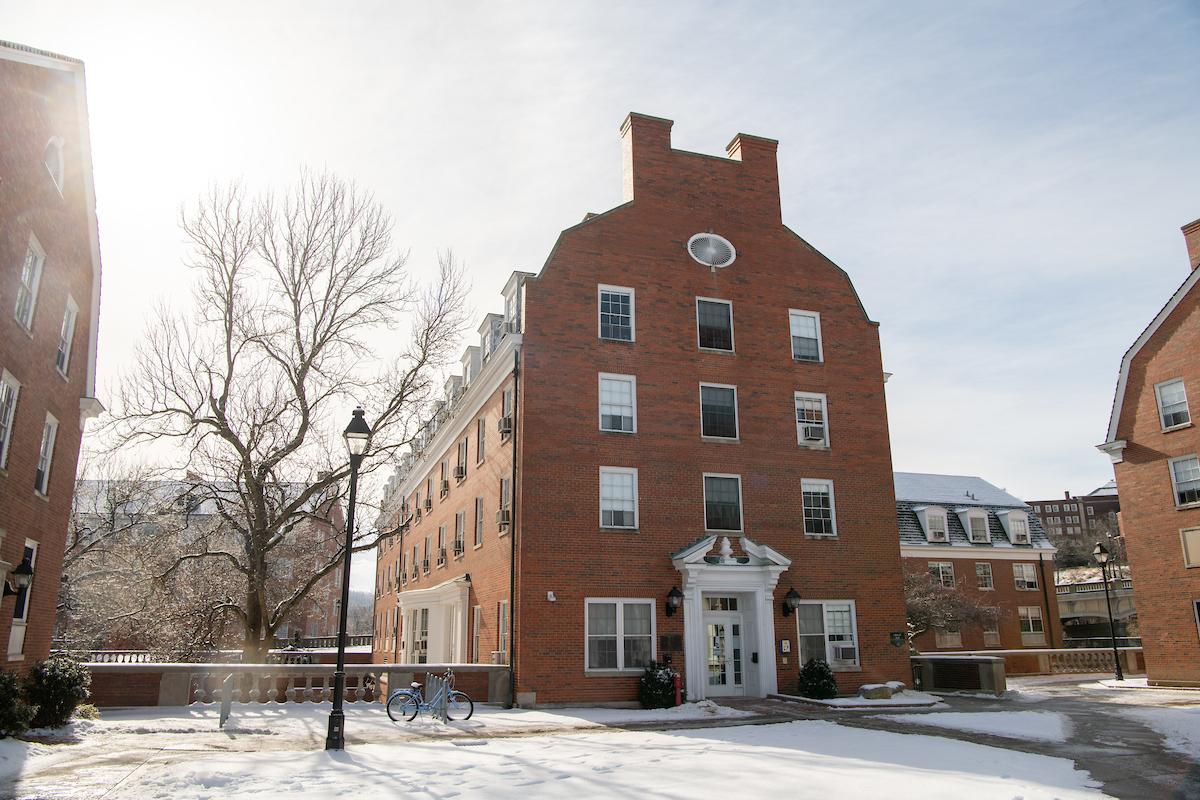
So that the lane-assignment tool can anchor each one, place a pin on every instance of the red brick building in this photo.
(1075, 523)
(1155, 448)
(49, 304)
(683, 425)
(978, 538)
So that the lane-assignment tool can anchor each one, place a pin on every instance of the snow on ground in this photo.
(1045, 726)
(811, 759)
(1179, 726)
(906, 698)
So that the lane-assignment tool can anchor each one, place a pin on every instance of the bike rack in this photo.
(437, 692)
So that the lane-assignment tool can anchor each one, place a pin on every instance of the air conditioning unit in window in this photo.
(429, 504)
(505, 425)
(441, 555)
(445, 486)
(460, 472)
(937, 536)
(814, 433)
(845, 652)
(1021, 538)
(425, 564)
(458, 547)
(511, 327)
(503, 517)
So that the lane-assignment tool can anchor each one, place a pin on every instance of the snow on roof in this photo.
(951, 490)
(1108, 489)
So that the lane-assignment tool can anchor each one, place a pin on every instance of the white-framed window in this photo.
(460, 531)
(991, 632)
(506, 402)
(502, 628)
(1054, 508)
(478, 521)
(820, 518)
(476, 630)
(1185, 480)
(441, 546)
(812, 419)
(722, 502)
(946, 638)
(20, 617)
(1025, 576)
(1020, 530)
(618, 403)
(942, 572)
(464, 449)
(619, 634)
(618, 497)
(827, 630)
(1190, 539)
(806, 335)
(1173, 409)
(506, 493)
(1033, 631)
(616, 313)
(10, 389)
(983, 575)
(52, 157)
(66, 334)
(977, 528)
(937, 528)
(480, 439)
(718, 411)
(41, 477)
(714, 324)
(31, 278)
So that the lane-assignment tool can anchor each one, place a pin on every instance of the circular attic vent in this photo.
(711, 250)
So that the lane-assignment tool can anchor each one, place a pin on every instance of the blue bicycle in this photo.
(405, 704)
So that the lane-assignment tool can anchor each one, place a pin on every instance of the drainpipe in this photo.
(1046, 596)
(512, 535)
(396, 621)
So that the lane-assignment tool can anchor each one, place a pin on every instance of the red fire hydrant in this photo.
(678, 681)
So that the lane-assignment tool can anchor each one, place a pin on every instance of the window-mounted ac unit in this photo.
(441, 557)
(1021, 538)
(505, 425)
(814, 433)
(845, 652)
(445, 486)
(937, 536)
(460, 471)
(429, 504)
(511, 327)
(425, 564)
(458, 547)
(504, 517)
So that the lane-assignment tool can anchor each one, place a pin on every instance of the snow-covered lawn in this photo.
(899, 700)
(1046, 726)
(802, 759)
(1179, 726)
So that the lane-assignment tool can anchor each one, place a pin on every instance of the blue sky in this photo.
(1004, 182)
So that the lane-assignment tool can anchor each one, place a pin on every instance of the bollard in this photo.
(677, 679)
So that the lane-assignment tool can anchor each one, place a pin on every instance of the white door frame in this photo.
(728, 619)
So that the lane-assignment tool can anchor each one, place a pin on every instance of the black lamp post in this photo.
(1101, 556)
(357, 435)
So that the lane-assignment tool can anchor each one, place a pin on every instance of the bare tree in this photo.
(930, 605)
(257, 379)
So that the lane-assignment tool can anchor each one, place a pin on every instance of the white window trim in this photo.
(600, 500)
(72, 308)
(824, 416)
(704, 505)
(737, 422)
(965, 515)
(8, 378)
(732, 340)
(940, 641)
(991, 577)
(924, 513)
(1022, 565)
(938, 576)
(58, 180)
(620, 602)
(22, 622)
(44, 491)
(604, 287)
(476, 634)
(36, 246)
(600, 378)
(857, 667)
(1183, 532)
(1175, 487)
(820, 338)
(832, 508)
(1158, 400)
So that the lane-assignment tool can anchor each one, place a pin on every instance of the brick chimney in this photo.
(645, 146)
(1191, 235)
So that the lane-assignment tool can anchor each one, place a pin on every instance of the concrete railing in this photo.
(144, 684)
(1067, 660)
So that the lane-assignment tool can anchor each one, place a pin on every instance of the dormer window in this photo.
(53, 159)
(933, 523)
(1016, 525)
(937, 528)
(975, 523)
(978, 531)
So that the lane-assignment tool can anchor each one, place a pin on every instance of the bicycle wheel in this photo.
(402, 706)
(459, 706)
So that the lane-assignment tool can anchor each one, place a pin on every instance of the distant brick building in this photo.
(1155, 447)
(49, 306)
(678, 422)
(973, 536)
(1076, 522)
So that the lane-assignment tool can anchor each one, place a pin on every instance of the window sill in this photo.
(725, 531)
(847, 669)
(609, 529)
(41, 496)
(16, 657)
(1186, 506)
(833, 536)
(1174, 428)
(986, 588)
(502, 534)
(623, 433)
(66, 378)
(477, 546)
(722, 439)
(616, 341)
(807, 360)
(808, 446)
(718, 350)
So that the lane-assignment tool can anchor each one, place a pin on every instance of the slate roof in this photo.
(956, 490)
(914, 489)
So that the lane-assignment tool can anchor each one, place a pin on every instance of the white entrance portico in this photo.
(729, 617)
(435, 622)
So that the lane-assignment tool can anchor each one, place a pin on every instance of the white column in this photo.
(768, 679)
(694, 649)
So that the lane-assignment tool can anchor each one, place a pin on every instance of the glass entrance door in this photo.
(724, 633)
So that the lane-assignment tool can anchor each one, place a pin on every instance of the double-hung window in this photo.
(819, 518)
(812, 420)
(41, 477)
(991, 632)
(983, 575)
(828, 630)
(806, 335)
(618, 497)
(1025, 576)
(1190, 538)
(480, 439)
(1185, 480)
(619, 633)
(460, 468)
(502, 628)
(31, 277)
(618, 403)
(476, 630)
(478, 521)
(62, 356)
(1172, 404)
(942, 572)
(504, 515)
(1033, 630)
(441, 545)
(977, 529)
(460, 532)
(718, 411)
(714, 324)
(52, 157)
(616, 313)
(20, 617)
(723, 502)
(9, 389)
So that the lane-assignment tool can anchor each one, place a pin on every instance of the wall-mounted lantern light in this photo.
(674, 600)
(791, 601)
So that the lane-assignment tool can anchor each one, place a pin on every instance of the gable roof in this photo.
(952, 490)
(1114, 418)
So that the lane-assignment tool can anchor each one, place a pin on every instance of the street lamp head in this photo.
(791, 601)
(357, 433)
(674, 600)
(1100, 554)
